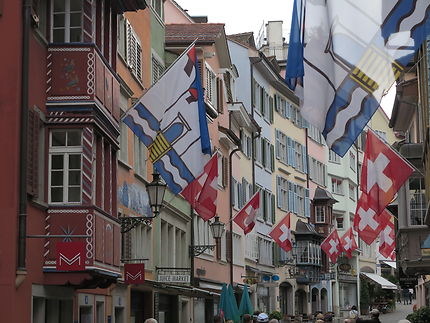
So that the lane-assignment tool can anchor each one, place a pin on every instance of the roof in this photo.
(303, 228)
(246, 39)
(187, 33)
(323, 195)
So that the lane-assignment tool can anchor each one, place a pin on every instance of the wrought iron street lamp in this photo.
(217, 229)
(156, 190)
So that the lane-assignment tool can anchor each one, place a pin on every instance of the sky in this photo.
(243, 16)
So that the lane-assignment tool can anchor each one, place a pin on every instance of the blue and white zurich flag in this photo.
(170, 119)
(345, 54)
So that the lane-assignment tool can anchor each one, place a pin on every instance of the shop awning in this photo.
(385, 284)
(390, 263)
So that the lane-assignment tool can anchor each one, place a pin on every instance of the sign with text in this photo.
(173, 275)
(70, 256)
(134, 273)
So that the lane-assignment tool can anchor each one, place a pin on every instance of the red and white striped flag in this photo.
(202, 193)
(246, 217)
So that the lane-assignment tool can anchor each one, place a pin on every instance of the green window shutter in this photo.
(273, 208)
(272, 158)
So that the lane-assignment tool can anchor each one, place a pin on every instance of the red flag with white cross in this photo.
(332, 246)
(246, 217)
(387, 239)
(281, 233)
(348, 243)
(383, 172)
(202, 193)
(367, 222)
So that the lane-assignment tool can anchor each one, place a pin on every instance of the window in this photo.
(382, 135)
(157, 69)
(123, 153)
(336, 186)
(417, 201)
(339, 222)
(211, 92)
(281, 146)
(66, 21)
(157, 5)
(202, 234)
(134, 52)
(65, 160)
(352, 163)
(258, 151)
(267, 154)
(317, 171)
(246, 145)
(320, 214)
(265, 252)
(300, 197)
(141, 242)
(315, 134)
(282, 193)
(140, 156)
(352, 191)
(333, 157)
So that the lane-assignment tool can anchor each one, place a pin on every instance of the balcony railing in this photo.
(78, 72)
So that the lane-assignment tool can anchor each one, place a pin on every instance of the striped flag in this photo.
(345, 55)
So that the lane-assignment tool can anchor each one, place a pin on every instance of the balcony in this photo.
(102, 244)
(79, 73)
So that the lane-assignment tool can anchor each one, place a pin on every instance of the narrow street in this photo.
(400, 313)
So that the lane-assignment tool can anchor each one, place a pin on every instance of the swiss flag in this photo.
(282, 233)
(202, 192)
(383, 172)
(387, 239)
(332, 246)
(245, 218)
(367, 222)
(348, 243)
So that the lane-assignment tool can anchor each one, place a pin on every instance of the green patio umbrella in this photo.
(227, 304)
(245, 306)
(235, 316)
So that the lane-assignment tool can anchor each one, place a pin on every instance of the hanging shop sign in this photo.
(134, 273)
(70, 256)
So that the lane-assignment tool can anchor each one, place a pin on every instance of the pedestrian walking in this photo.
(410, 295)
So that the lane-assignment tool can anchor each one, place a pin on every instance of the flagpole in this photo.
(162, 75)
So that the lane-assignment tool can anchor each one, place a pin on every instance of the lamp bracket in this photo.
(130, 222)
(199, 249)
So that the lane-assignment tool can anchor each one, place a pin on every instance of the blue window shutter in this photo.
(278, 191)
(293, 153)
(305, 160)
(290, 160)
(307, 204)
(290, 197)
(277, 147)
(295, 199)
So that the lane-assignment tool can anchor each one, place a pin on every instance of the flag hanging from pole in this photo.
(367, 222)
(332, 246)
(281, 233)
(246, 217)
(348, 243)
(170, 119)
(383, 172)
(345, 55)
(202, 193)
(387, 239)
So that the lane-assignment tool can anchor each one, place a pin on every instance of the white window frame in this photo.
(67, 14)
(337, 185)
(140, 158)
(352, 161)
(320, 216)
(64, 151)
(211, 86)
(352, 191)
(333, 157)
(153, 5)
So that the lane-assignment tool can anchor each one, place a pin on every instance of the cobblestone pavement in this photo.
(400, 313)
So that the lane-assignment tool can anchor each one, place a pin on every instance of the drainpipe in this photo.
(230, 167)
(22, 215)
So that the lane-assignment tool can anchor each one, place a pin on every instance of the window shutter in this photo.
(239, 195)
(277, 145)
(200, 64)
(220, 96)
(126, 245)
(272, 197)
(264, 196)
(233, 191)
(262, 95)
(305, 160)
(271, 109)
(225, 174)
(272, 158)
(276, 98)
(307, 204)
(296, 206)
(278, 192)
(289, 151)
(32, 153)
(227, 82)
(254, 93)
(228, 252)
(263, 152)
